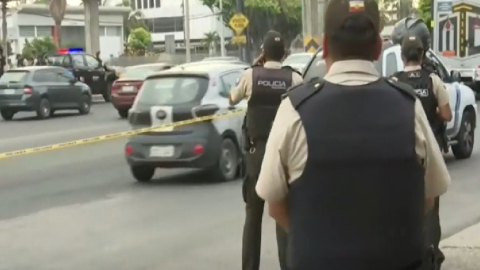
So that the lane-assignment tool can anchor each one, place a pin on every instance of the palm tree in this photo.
(57, 9)
(135, 20)
(211, 41)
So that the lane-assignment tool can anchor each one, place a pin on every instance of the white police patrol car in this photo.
(181, 93)
(461, 129)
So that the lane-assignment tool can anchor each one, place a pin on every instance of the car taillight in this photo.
(27, 90)
(198, 149)
(128, 150)
(115, 88)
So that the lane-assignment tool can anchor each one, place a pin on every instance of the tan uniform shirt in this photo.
(244, 88)
(439, 89)
(286, 151)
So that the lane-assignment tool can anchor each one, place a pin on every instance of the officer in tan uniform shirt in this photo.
(287, 159)
(263, 86)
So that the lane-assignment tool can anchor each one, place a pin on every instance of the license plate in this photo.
(128, 89)
(162, 151)
(9, 91)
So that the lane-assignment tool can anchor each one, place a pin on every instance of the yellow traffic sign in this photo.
(311, 43)
(238, 23)
(242, 39)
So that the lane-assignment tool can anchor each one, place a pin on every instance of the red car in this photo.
(125, 89)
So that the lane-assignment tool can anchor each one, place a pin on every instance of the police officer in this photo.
(262, 85)
(3, 62)
(435, 100)
(351, 164)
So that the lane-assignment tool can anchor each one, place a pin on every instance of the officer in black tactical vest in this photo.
(262, 85)
(435, 100)
(351, 165)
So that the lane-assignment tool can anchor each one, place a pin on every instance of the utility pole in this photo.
(312, 21)
(188, 57)
(222, 33)
(241, 49)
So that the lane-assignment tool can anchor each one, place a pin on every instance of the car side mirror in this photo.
(455, 76)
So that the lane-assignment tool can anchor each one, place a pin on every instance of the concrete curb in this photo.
(462, 250)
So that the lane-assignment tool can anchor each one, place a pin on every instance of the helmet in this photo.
(411, 26)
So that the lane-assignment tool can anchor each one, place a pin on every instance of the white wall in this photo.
(202, 19)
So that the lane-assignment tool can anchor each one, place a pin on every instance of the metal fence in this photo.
(177, 58)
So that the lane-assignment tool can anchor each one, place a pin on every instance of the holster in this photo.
(246, 143)
(442, 139)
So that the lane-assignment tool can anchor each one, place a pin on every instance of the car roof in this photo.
(150, 65)
(34, 68)
(217, 58)
(207, 69)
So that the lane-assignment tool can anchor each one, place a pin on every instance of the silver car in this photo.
(181, 93)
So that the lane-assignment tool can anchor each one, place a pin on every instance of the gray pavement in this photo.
(79, 208)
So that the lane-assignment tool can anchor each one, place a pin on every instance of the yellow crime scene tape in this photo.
(114, 136)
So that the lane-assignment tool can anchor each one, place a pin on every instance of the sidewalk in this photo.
(462, 250)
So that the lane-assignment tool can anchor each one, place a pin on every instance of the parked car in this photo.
(221, 58)
(461, 129)
(125, 89)
(182, 93)
(42, 89)
(298, 61)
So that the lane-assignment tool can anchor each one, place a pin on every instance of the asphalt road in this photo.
(79, 208)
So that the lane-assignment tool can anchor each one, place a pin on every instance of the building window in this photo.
(152, 4)
(157, 3)
(139, 4)
(44, 31)
(165, 25)
(114, 31)
(145, 4)
(26, 31)
(101, 31)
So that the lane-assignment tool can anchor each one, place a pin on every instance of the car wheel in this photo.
(7, 115)
(143, 173)
(465, 138)
(107, 92)
(44, 108)
(85, 104)
(228, 162)
(123, 113)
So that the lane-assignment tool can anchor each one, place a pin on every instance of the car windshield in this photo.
(297, 59)
(56, 60)
(13, 76)
(318, 68)
(138, 72)
(171, 90)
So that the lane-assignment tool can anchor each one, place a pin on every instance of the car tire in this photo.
(44, 108)
(7, 115)
(228, 162)
(107, 92)
(85, 104)
(465, 138)
(143, 174)
(123, 113)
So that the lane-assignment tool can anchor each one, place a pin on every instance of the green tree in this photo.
(38, 47)
(138, 41)
(425, 9)
(264, 15)
(42, 2)
(211, 40)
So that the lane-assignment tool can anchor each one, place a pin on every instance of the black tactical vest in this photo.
(268, 86)
(359, 203)
(422, 84)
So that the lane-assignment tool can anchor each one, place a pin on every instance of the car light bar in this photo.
(70, 50)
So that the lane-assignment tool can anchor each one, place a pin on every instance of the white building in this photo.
(166, 17)
(27, 22)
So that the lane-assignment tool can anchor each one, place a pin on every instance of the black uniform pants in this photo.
(434, 233)
(252, 230)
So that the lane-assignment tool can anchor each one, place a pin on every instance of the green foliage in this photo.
(38, 47)
(138, 41)
(425, 9)
(211, 40)
(41, 2)
(284, 16)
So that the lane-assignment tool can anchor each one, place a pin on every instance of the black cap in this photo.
(411, 42)
(338, 11)
(273, 41)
